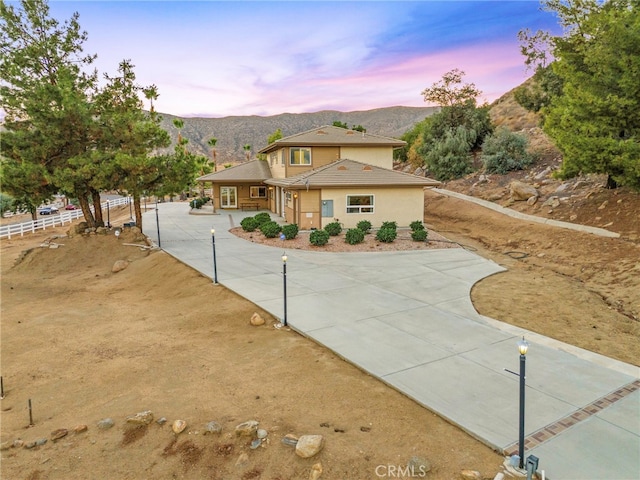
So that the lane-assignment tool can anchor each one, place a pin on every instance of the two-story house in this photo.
(327, 173)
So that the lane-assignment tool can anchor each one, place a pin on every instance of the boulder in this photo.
(309, 445)
(212, 427)
(178, 426)
(59, 433)
(106, 423)
(316, 471)
(247, 429)
(419, 466)
(522, 191)
(119, 266)
(141, 418)
(256, 320)
(470, 475)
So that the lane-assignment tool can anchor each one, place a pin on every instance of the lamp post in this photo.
(523, 346)
(130, 212)
(284, 276)
(158, 224)
(108, 215)
(215, 267)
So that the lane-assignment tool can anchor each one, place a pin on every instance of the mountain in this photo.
(234, 132)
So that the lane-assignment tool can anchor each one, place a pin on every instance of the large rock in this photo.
(119, 266)
(256, 320)
(309, 445)
(178, 426)
(247, 429)
(419, 466)
(470, 475)
(141, 418)
(522, 191)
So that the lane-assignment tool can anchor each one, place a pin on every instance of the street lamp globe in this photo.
(213, 231)
(523, 346)
(284, 258)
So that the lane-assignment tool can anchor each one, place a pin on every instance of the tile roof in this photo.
(253, 171)
(349, 173)
(333, 136)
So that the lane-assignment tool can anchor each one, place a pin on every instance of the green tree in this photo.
(129, 139)
(449, 137)
(45, 95)
(277, 135)
(212, 142)
(247, 151)
(339, 124)
(596, 120)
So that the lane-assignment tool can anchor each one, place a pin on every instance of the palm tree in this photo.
(151, 94)
(212, 143)
(247, 151)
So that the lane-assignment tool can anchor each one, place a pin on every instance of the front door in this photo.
(228, 197)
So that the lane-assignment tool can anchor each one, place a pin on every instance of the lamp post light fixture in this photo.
(523, 346)
(215, 266)
(284, 277)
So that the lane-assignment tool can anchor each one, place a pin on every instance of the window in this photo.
(258, 192)
(360, 204)
(299, 156)
(273, 158)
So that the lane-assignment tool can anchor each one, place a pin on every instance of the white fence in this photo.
(54, 220)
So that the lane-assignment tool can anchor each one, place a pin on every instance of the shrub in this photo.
(419, 235)
(262, 217)
(319, 238)
(386, 235)
(505, 151)
(333, 228)
(270, 229)
(290, 231)
(354, 236)
(249, 224)
(198, 202)
(390, 225)
(364, 225)
(417, 225)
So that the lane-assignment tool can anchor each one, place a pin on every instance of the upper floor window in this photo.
(299, 156)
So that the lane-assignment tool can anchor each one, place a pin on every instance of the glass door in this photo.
(228, 197)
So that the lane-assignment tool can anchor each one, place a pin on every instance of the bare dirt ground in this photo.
(85, 344)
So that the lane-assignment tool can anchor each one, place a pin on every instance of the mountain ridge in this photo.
(233, 132)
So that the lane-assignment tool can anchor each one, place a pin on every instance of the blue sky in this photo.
(264, 58)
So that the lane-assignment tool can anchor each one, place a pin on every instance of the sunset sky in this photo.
(219, 59)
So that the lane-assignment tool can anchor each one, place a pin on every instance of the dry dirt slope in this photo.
(85, 344)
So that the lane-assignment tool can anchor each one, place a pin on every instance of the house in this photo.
(323, 175)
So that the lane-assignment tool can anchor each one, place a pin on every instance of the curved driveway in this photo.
(407, 319)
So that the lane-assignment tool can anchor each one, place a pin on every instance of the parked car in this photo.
(71, 206)
(48, 210)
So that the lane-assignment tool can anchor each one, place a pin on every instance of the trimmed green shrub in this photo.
(290, 231)
(417, 225)
(333, 228)
(391, 225)
(354, 236)
(198, 202)
(319, 238)
(262, 217)
(386, 235)
(270, 229)
(505, 151)
(364, 225)
(419, 235)
(249, 224)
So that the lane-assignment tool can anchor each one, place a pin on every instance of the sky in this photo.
(218, 59)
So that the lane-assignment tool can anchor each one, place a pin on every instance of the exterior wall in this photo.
(276, 163)
(309, 209)
(243, 194)
(320, 156)
(378, 156)
(402, 205)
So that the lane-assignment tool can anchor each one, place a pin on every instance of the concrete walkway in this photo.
(407, 319)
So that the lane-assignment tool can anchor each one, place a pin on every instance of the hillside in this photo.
(234, 132)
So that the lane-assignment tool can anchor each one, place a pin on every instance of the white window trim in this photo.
(252, 189)
(291, 149)
(360, 207)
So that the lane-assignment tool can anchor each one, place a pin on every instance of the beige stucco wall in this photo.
(320, 156)
(276, 164)
(402, 205)
(378, 156)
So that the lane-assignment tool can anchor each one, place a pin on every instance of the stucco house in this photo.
(323, 175)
